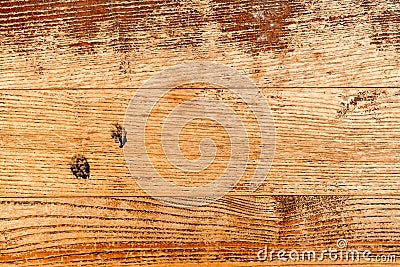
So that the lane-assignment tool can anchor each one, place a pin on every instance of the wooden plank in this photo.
(329, 141)
(103, 43)
(139, 230)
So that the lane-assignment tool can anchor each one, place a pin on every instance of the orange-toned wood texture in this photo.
(329, 71)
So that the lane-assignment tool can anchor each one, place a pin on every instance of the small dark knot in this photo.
(80, 167)
(119, 135)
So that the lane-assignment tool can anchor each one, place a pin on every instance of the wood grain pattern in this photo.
(122, 231)
(329, 141)
(330, 71)
(101, 43)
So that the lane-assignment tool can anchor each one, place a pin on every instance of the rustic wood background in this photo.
(330, 71)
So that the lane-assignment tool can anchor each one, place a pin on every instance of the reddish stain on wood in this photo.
(256, 25)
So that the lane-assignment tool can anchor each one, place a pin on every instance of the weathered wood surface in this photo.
(329, 141)
(329, 70)
(102, 43)
(104, 230)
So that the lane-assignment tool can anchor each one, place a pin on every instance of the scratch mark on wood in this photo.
(363, 101)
